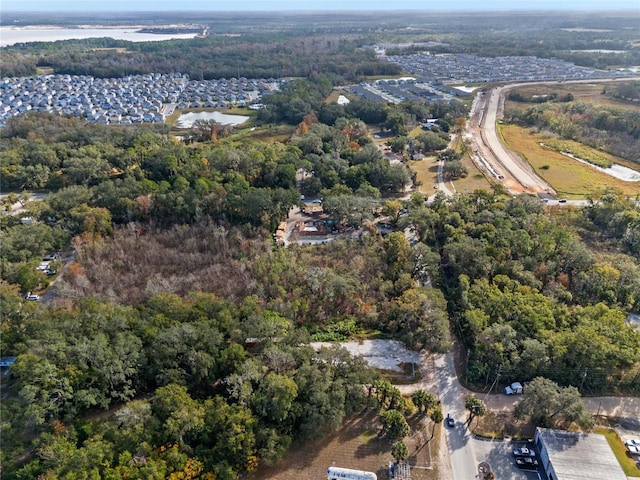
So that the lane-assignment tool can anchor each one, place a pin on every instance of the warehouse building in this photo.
(576, 456)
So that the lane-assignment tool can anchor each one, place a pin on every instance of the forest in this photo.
(262, 45)
(175, 269)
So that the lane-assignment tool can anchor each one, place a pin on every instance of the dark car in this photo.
(450, 422)
(527, 463)
(524, 452)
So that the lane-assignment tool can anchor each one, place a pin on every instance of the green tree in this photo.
(399, 451)
(476, 407)
(547, 404)
(179, 413)
(436, 417)
(394, 425)
(423, 400)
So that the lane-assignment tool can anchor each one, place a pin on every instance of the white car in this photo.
(514, 389)
(633, 449)
(31, 297)
(632, 443)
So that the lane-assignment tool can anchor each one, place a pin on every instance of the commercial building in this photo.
(576, 456)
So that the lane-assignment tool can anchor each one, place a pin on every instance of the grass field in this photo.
(426, 174)
(586, 92)
(568, 177)
(357, 446)
(475, 180)
(628, 464)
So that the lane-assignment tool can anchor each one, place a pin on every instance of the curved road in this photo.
(490, 154)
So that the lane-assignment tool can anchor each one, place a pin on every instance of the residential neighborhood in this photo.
(463, 67)
(133, 99)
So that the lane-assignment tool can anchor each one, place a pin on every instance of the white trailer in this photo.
(338, 473)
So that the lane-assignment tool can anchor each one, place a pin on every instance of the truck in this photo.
(514, 389)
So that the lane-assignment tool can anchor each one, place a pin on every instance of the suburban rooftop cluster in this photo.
(132, 99)
(405, 89)
(470, 68)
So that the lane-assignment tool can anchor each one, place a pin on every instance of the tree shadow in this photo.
(373, 446)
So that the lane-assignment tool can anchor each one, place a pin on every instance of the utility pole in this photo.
(584, 377)
(494, 383)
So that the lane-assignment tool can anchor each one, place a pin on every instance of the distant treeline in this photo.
(203, 58)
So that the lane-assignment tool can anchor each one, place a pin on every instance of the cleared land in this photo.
(567, 176)
(426, 174)
(356, 446)
(585, 92)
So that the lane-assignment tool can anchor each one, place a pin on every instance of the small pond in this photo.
(186, 119)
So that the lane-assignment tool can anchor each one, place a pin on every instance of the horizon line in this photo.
(314, 10)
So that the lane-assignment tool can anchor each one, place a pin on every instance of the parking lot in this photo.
(499, 454)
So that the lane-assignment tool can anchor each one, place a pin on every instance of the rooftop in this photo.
(576, 456)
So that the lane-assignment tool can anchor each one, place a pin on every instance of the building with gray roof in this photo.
(576, 456)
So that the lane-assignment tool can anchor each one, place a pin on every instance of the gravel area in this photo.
(381, 354)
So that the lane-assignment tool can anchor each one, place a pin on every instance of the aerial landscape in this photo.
(266, 240)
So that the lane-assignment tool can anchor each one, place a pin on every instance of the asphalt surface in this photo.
(506, 166)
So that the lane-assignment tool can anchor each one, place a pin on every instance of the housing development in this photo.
(127, 100)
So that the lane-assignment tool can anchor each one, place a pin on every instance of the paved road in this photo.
(490, 154)
(465, 451)
(459, 440)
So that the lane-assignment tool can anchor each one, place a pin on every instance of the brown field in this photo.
(356, 446)
(475, 180)
(585, 92)
(501, 425)
(279, 133)
(45, 70)
(568, 177)
(333, 96)
(426, 174)
(113, 49)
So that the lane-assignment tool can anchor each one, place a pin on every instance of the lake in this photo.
(186, 119)
(12, 35)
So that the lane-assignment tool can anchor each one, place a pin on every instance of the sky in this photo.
(277, 5)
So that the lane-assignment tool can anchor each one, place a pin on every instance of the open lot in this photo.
(567, 176)
(357, 446)
(586, 92)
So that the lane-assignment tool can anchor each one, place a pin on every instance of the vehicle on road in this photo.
(449, 421)
(524, 452)
(514, 389)
(527, 463)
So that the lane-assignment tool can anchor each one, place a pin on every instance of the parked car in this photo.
(514, 389)
(633, 449)
(524, 452)
(449, 421)
(527, 463)
(633, 443)
(31, 297)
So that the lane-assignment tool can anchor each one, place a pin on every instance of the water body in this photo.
(618, 171)
(186, 119)
(12, 35)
